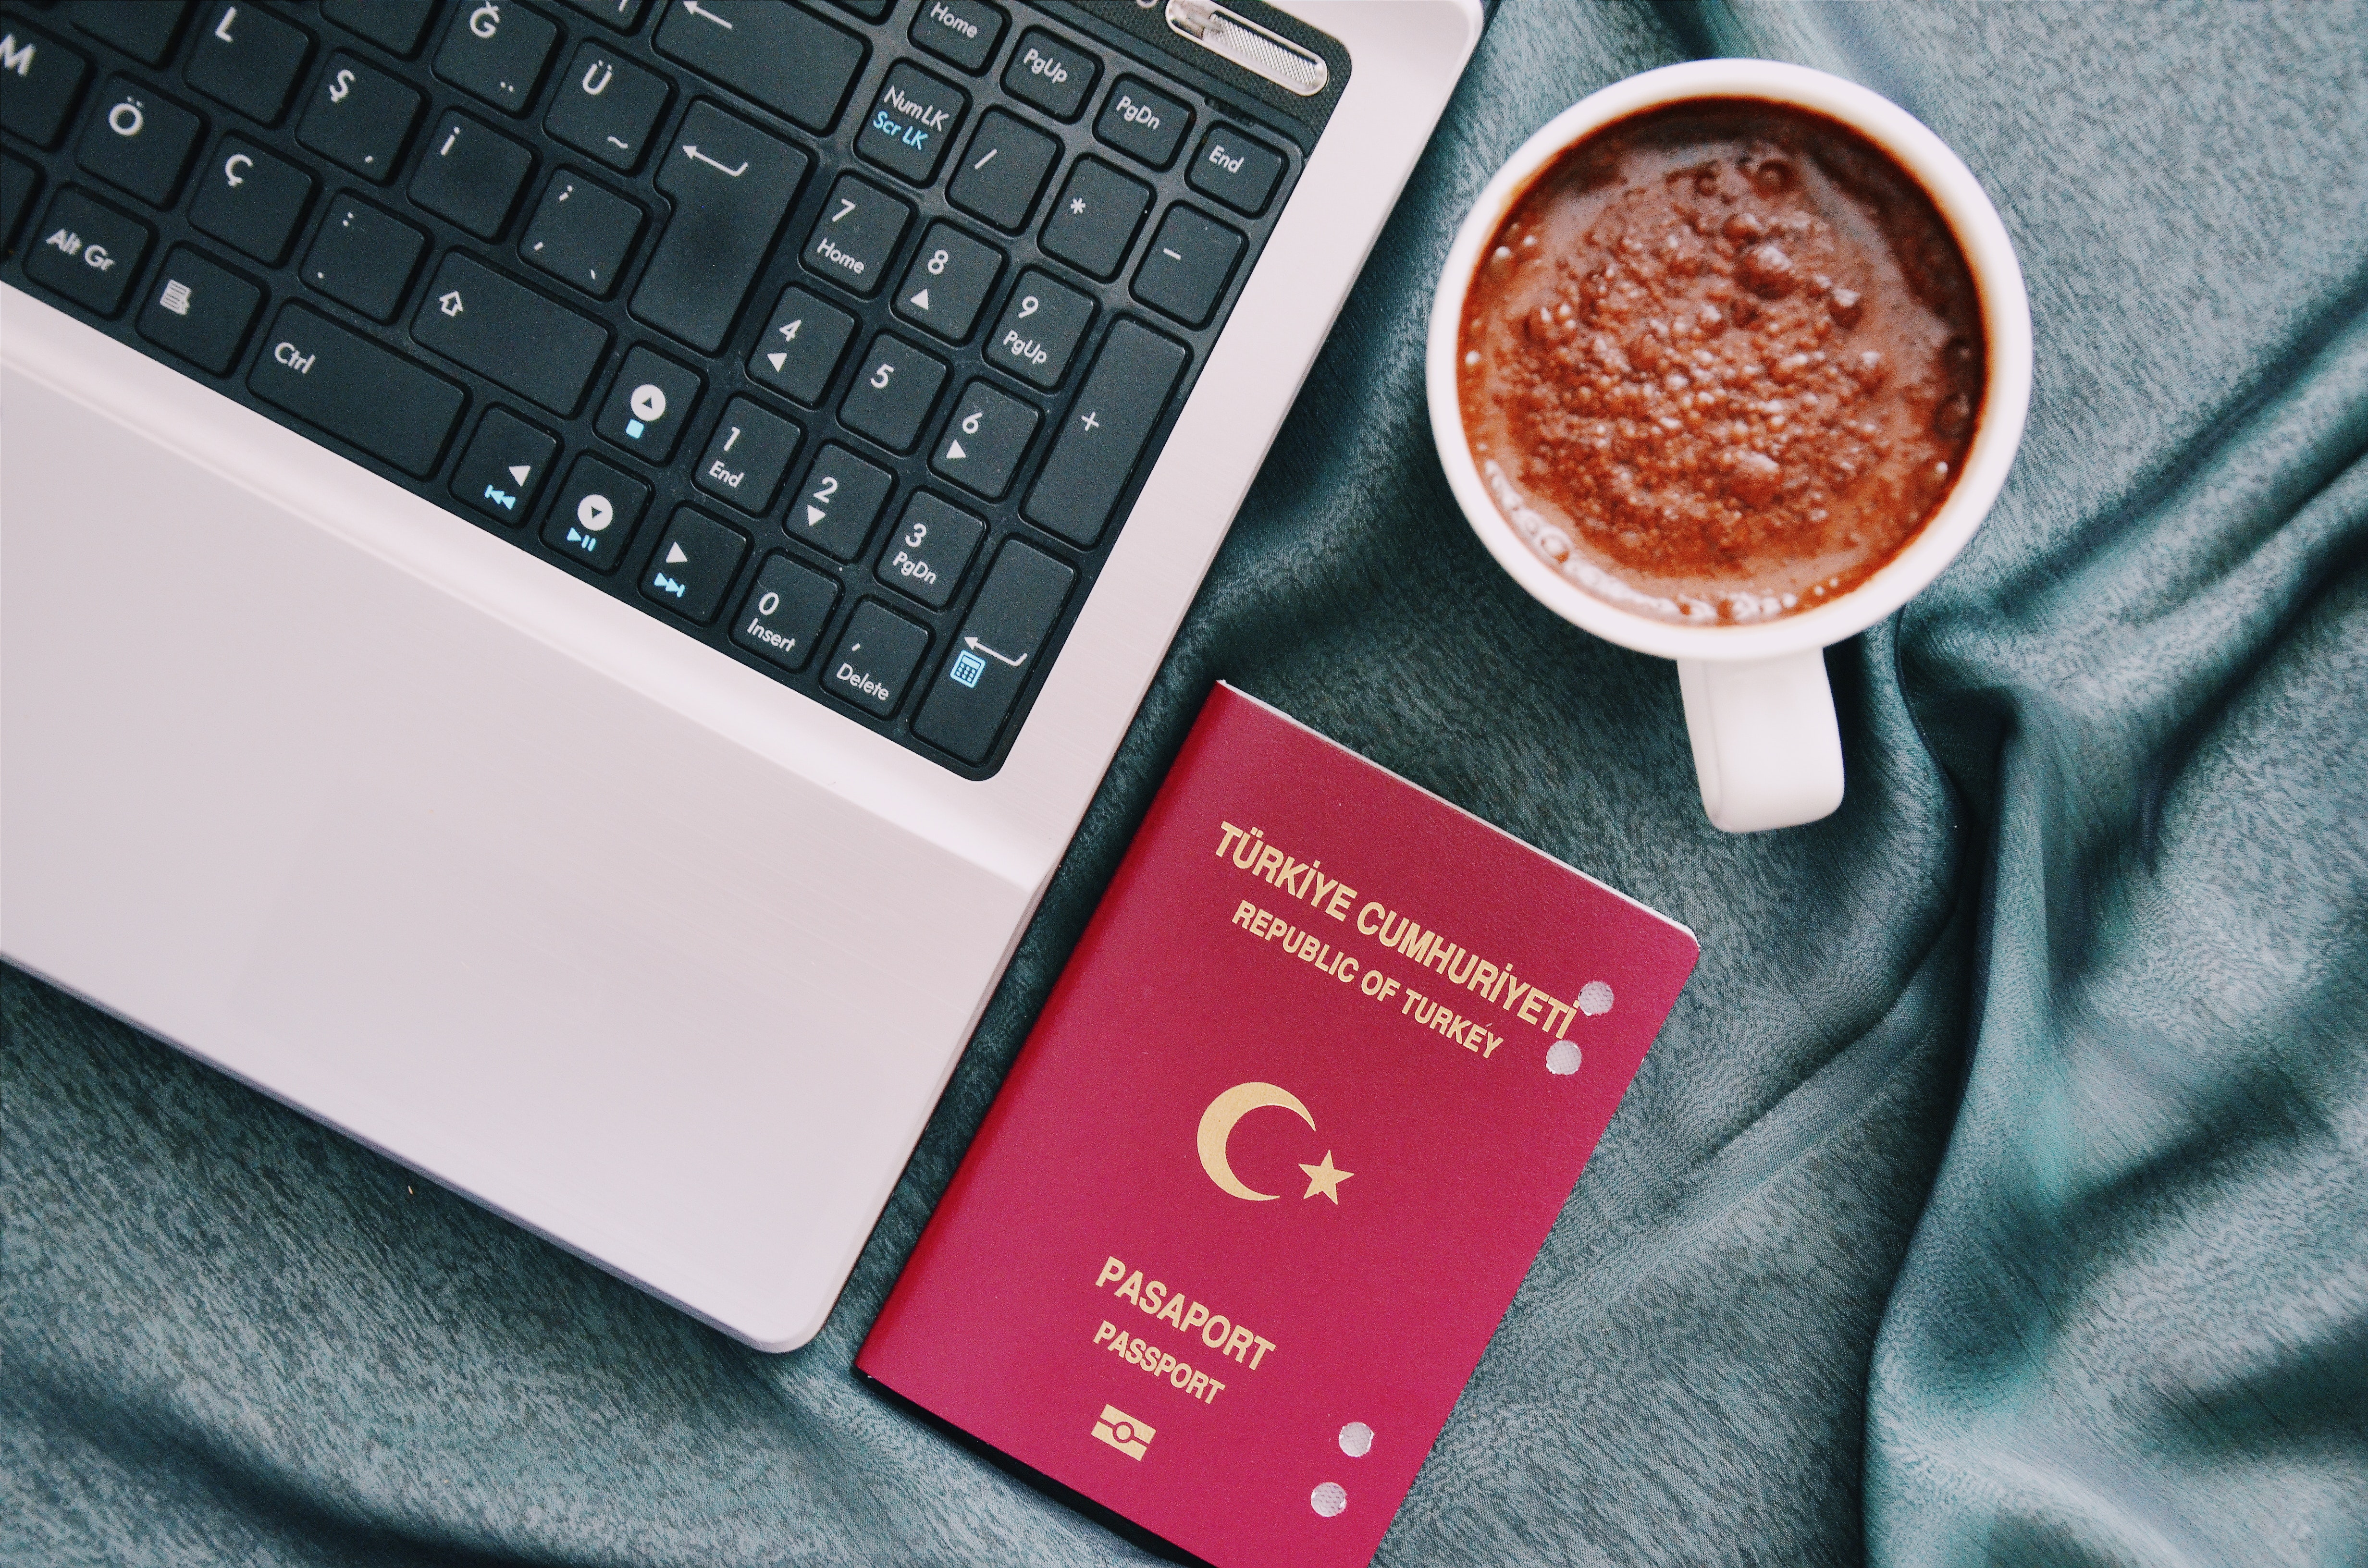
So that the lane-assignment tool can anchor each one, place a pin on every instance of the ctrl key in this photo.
(875, 658)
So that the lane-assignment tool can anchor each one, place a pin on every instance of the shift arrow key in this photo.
(508, 333)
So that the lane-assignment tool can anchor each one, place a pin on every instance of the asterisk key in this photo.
(1077, 204)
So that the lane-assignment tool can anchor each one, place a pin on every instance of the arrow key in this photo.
(842, 497)
(948, 282)
(996, 652)
(983, 442)
(503, 469)
(694, 565)
(800, 349)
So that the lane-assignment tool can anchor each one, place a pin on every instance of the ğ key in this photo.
(508, 333)
(731, 185)
(497, 50)
(358, 390)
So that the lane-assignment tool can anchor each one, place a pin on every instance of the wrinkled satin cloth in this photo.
(1998, 1192)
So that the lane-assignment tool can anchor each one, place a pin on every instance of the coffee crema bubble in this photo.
(1721, 361)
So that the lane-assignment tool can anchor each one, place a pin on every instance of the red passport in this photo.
(1294, 1123)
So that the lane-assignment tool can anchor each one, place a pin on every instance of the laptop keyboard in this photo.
(837, 336)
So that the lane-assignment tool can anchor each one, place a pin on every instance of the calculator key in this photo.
(581, 233)
(963, 33)
(252, 199)
(471, 175)
(396, 26)
(785, 612)
(731, 185)
(694, 565)
(1142, 122)
(791, 61)
(1041, 325)
(856, 233)
(894, 390)
(799, 351)
(1095, 218)
(49, 77)
(20, 181)
(747, 455)
(594, 520)
(649, 403)
(140, 29)
(508, 333)
(249, 59)
(1003, 171)
(86, 252)
(1054, 76)
(874, 659)
(912, 123)
(137, 141)
(1186, 269)
(948, 282)
(1105, 432)
(983, 440)
(360, 116)
(606, 105)
(364, 258)
(624, 15)
(199, 310)
(842, 497)
(1235, 170)
(503, 469)
(497, 50)
(928, 548)
(356, 390)
(994, 651)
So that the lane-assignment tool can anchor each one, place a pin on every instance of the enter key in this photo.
(995, 652)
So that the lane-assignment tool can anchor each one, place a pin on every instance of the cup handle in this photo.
(1767, 748)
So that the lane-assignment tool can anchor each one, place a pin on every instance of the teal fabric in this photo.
(1998, 1192)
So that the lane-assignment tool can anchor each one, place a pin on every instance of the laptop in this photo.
(568, 569)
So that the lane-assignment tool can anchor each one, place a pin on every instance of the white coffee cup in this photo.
(1767, 749)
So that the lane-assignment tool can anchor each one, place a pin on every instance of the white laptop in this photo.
(568, 569)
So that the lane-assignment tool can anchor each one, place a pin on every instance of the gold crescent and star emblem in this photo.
(1217, 1127)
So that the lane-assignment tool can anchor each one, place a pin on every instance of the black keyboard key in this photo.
(598, 509)
(785, 612)
(503, 469)
(364, 258)
(200, 310)
(86, 252)
(1095, 218)
(20, 181)
(746, 458)
(623, 15)
(249, 59)
(870, 10)
(1185, 271)
(843, 497)
(1235, 170)
(947, 285)
(799, 351)
(508, 333)
(996, 651)
(874, 659)
(790, 61)
(983, 440)
(252, 199)
(607, 105)
(894, 388)
(928, 548)
(961, 31)
(694, 565)
(49, 77)
(855, 234)
(1042, 324)
(1142, 122)
(1052, 74)
(1003, 171)
(140, 29)
(396, 26)
(359, 390)
(912, 123)
(1105, 432)
(137, 141)
(581, 233)
(649, 403)
(360, 116)
(471, 175)
(732, 184)
(497, 50)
